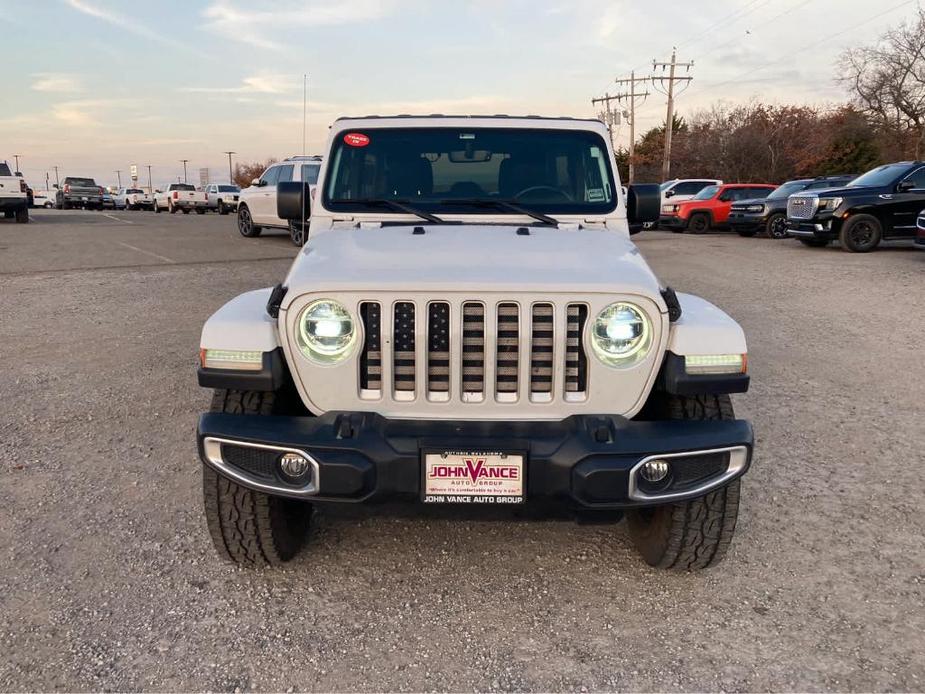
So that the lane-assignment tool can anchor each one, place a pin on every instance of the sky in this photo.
(94, 86)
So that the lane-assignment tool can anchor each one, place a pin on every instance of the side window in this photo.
(285, 173)
(310, 173)
(689, 188)
(918, 178)
(271, 176)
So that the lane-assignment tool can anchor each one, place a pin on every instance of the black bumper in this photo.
(13, 204)
(672, 222)
(744, 221)
(585, 461)
(821, 229)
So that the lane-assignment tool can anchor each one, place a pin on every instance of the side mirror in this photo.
(255, 182)
(643, 204)
(669, 193)
(294, 201)
(905, 185)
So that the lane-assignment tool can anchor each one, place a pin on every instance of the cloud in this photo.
(56, 82)
(90, 112)
(255, 84)
(260, 27)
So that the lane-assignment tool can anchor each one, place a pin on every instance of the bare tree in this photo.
(245, 172)
(887, 82)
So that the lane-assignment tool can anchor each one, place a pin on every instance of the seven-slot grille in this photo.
(472, 351)
(802, 206)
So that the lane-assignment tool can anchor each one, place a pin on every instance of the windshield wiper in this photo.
(400, 205)
(503, 205)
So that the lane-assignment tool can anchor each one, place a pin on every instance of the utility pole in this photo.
(57, 182)
(119, 175)
(610, 116)
(184, 171)
(666, 86)
(230, 175)
(304, 109)
(631, 97)
(150, 186)
(17, 156)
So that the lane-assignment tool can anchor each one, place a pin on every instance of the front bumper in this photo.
(822, 229)
(585, 461)
(13, 204)
(747, 221)
(672, 222)
(190, 203)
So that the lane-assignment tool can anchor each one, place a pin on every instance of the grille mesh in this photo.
(541, 349)
(576, 362)
(802, 207)
(371, 357)
(259, 462)
(403, 343)
(473, 349)
(438, 347)
(507, 360)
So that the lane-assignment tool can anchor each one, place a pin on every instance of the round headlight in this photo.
(325, 332)
(621, 334)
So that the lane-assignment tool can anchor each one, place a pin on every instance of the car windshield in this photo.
(134, 190)
(229, 189)
(82, 182)
(706, 193)
(471, 170)
(787, 189)
(666, 185)
(182, 186)
(881, 176)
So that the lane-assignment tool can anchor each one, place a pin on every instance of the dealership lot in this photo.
(110, 580)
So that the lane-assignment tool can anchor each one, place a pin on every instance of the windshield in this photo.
(787, 189)
(133, 190)
(229, 189)
(81, 182)
(666, 185)
(182, 186)
(706, 193)
(881, 176)
(449, 169)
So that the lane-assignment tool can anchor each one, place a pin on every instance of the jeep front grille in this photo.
(802, 206)
(471, 351)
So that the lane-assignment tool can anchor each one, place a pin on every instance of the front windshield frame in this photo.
(440, 202)
(880, 176)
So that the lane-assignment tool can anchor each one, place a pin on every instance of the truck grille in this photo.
(802, 206)
(472, 351)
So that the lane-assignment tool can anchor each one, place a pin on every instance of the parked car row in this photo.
(257, 205)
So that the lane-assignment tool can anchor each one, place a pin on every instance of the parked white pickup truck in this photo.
(14, 197)
(181, 196)
(132, 199)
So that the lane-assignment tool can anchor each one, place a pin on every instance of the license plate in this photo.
(473, 477)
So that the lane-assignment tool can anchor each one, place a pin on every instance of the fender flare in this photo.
(704, 328)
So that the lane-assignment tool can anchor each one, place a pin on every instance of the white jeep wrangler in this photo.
(469, 323)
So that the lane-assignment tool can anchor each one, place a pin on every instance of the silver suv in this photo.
(257, 202)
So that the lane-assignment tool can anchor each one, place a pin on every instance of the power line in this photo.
(631, 96)
(660, 84)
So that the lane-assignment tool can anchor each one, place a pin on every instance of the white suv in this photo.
(257, 203)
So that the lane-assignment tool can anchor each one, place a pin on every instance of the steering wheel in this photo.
(534, 189)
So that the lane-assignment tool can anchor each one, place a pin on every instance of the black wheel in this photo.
(170, 208)
(814, 243)
(861, 233)
(246, 223)
(221, 207)
(248, 527)
(692, 534)
(297, 233)
(776, 226)
(48, 205)
(157, 208)
(745, 232)
(184, 210)
(65, 205)
(698, 224)
(22, 216)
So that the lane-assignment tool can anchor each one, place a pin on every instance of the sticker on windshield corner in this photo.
(356, 139)
(595, 194)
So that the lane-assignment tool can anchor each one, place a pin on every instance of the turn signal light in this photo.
(239, 360)
(716, 363)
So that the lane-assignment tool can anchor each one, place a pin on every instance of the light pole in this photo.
(57, 182)
(230, 175)
(119, 175)
(184, 169)
(16, 157)
(150, 186)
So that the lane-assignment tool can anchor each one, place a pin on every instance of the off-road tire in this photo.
(22, 216)
(814, 243)
(246, 224)
(860, 233)
(248, 527)
(776, 226)
(699, 223)
(692, 534)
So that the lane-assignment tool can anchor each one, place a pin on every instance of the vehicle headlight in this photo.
(669, 208)
(754, 208)
(621, 334)
(829, 203)
(326, 332)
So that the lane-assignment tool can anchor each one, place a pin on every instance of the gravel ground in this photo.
(109, 580)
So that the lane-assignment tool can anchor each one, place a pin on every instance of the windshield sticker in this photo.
(595, 194)
(356, 139)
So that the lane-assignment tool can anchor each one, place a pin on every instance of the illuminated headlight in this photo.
(231, 359)
(715, 363)
(621, 335)
(669, 208)
(326, 332)
(829, 203)
(754, 208)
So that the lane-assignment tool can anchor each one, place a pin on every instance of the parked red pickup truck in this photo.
(710, 207)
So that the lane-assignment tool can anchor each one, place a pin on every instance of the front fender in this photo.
(704, 329)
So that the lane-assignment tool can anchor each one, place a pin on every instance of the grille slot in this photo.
(507, 361)
(403, 344)
(576, 361)
(371, 357)
(473, 349)
(438, 348)
(257, 461)
(541, 350)
(802, 206)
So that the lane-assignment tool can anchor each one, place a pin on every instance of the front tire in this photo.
(22, 216)
(698, 224)
(246, 223)
(221, 208)
(157, 208)
(693, 534)
(860, 234)
(776, 226)
(247, 527)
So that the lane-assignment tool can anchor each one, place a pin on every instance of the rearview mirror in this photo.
(905, 185)
(294, 201)
(256, 182)
(643, 204)
(669, 193)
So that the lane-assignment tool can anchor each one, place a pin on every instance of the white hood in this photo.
(476, 258)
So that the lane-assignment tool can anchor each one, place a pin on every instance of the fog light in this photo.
(294, 467)
(654, 470)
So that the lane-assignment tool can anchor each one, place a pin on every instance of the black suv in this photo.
(748, 217)
(879, 205)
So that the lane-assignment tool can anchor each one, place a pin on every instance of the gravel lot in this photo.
(109, 580)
